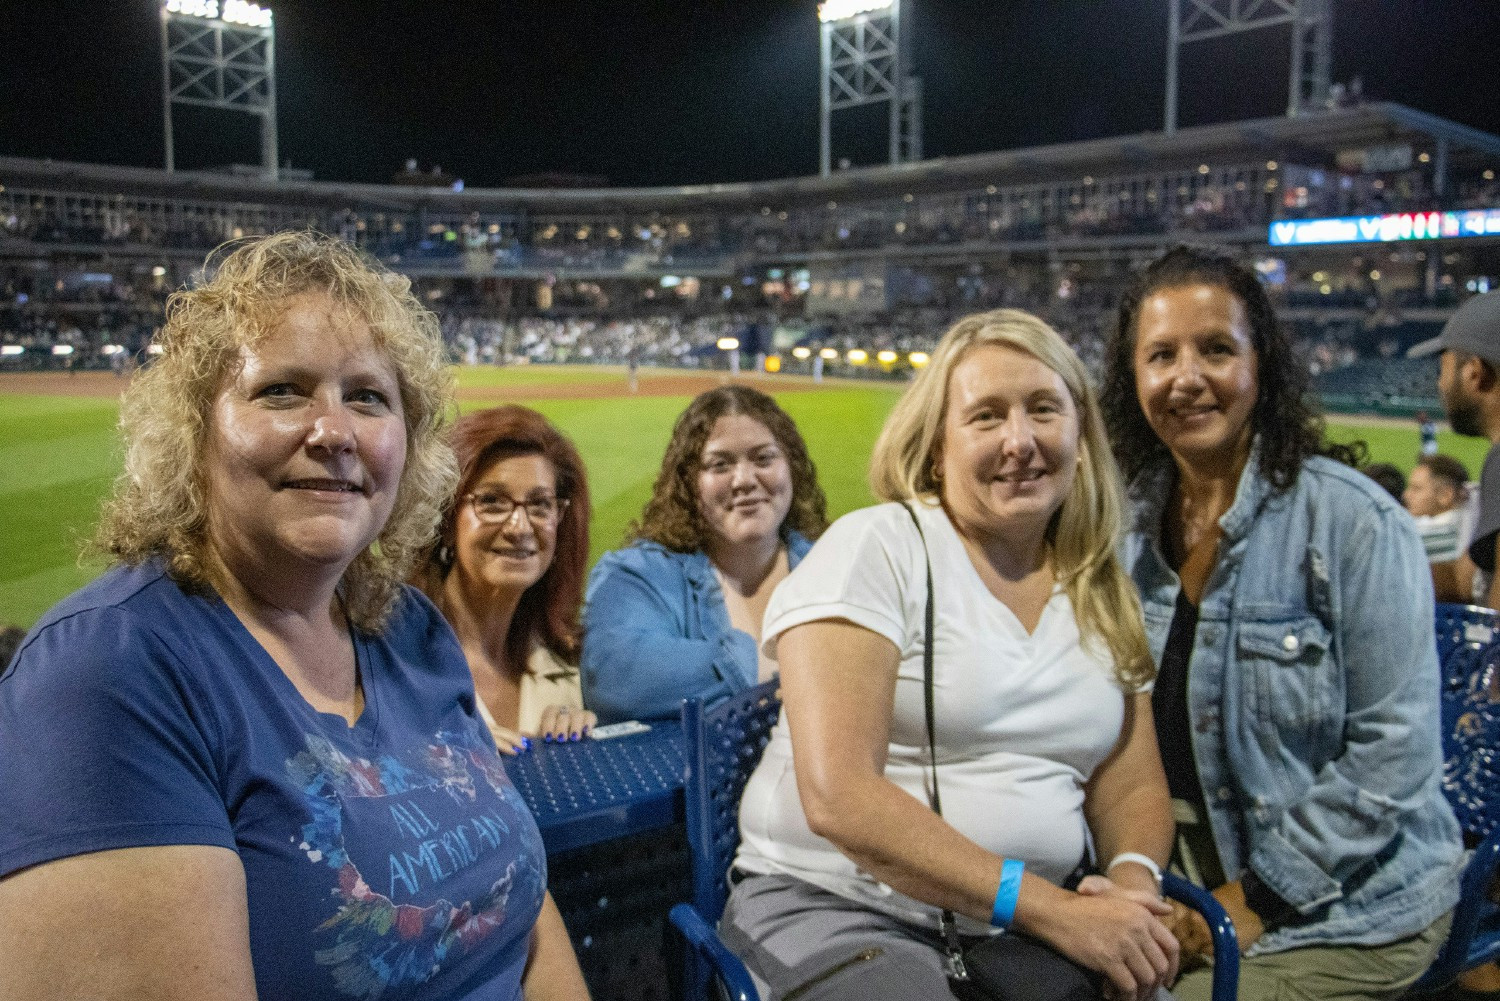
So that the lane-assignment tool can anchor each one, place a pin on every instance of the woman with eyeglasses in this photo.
(677, 612)
(508, 573)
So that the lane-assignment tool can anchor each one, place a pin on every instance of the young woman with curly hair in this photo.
(677, 612)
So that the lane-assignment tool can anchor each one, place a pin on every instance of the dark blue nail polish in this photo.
(575, 736)
(525, 743)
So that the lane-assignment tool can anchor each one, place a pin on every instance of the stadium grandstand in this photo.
(1370, 222)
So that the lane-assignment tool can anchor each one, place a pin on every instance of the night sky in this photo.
(646, 94)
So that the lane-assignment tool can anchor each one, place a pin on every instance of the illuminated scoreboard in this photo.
(1385, 228)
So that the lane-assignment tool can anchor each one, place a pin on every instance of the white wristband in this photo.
(1138, 859)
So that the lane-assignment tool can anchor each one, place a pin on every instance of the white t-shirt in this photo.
(1442, 535)
(1022, 720)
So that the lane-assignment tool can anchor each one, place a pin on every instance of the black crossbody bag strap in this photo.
(948, 923)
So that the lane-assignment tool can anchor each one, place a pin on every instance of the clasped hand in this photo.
(1121, 933)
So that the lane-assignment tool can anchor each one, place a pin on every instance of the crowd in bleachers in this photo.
(108, 322)
(1209, 198)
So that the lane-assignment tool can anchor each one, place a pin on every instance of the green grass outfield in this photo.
(58, 456)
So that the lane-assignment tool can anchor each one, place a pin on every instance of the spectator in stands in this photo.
(1437, 495)
(1427, 432)
(1388, 476)
(1469, 384)
(508, 573)
(1286, 603)
(677, 612)
(235, 750)
(1040, 671)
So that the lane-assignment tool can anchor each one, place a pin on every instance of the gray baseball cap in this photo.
(1474, 327)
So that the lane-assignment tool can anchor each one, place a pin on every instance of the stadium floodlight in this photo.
(729, 343)
(1311, 23)
(801, 353)
(221, 56)
(865, 58)
(843, 10)
(828, 354)
(253, 15)
(111, 349)
(208, 9)
(62, 349)
(918, 359)
(235, 11)
(886, 357)
(155, 349)
(11, 350)
(858, 356)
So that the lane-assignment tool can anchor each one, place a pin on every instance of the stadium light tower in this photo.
(865, 60)
(220, 56)
(1312, 41)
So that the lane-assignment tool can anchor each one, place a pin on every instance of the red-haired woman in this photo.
(508, 573)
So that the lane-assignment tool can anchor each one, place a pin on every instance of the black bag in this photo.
(1017, 967)
(1011, 966)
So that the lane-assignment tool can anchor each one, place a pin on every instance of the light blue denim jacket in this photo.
(656, 631)
(1313, 691)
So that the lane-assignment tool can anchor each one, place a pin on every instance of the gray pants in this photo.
(799, 939)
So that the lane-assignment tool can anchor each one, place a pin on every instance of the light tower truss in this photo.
(223, 59)
(1311, 24)
(865, 60)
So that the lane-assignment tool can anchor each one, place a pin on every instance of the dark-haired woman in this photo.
(508, 573)
(677, 612)
(1288, 608)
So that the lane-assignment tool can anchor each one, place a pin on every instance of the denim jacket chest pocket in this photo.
(1290, 684)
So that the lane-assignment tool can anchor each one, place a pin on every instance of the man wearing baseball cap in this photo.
(1469, 384)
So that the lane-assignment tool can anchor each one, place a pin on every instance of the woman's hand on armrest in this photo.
(165, 923)
(1113, 933)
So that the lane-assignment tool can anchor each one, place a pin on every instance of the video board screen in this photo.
(1385, 228)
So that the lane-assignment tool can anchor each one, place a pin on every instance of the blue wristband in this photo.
(1010, 890)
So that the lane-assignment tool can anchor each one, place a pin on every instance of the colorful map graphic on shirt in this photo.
(428, 821)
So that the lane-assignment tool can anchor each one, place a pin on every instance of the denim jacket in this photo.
(1313, 691)
(656, 631)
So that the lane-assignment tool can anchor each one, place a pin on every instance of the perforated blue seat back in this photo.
(1471, 737)
(1471, 781)
(1463, 625)
(723, 746)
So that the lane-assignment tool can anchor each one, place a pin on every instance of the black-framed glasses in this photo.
(496, 508)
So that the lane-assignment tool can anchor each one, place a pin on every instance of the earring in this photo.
(445, 556)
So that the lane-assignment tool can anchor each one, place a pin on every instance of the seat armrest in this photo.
(705, 942)
(1226, 942)
(1473, 900)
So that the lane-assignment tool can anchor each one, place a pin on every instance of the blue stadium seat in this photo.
(1471, 781)
(723, 746)
(1471, 626)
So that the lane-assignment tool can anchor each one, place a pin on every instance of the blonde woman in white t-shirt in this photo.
(1045, 742)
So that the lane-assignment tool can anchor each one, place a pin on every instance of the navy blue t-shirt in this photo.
(390, 859)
